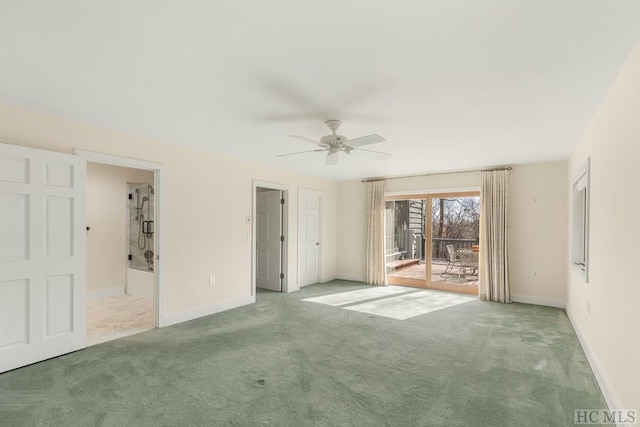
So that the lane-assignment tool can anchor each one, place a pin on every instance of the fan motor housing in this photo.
(333, 139)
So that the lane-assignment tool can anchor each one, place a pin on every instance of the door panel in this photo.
(42, 255)
(405, 236)
(58, 226)
(455, 226)
(308, 236)
(13, 210)
(14, 312)
(58, 304)
(268, 243)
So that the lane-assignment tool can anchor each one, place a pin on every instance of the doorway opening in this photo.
(124, 238)
(120, 213)
(433, 241)
(270, 237)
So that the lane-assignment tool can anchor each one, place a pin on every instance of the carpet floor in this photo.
(287, 362)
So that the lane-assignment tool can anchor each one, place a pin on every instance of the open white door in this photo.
(269, 240)
(42, 255)
(308, 236)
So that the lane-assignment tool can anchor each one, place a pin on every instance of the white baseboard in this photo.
(350, 277)
(327, 279)
(605, 388)
(185, 316)
(106, 292)
(549, 302)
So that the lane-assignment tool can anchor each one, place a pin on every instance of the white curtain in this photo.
(375, 250)
(494, 236)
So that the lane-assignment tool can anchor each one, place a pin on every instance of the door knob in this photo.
(317, 243)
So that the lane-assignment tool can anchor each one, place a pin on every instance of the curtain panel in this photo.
(494, 236)
(376, 273)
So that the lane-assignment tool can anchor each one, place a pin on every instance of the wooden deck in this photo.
(401, 264)
(417, 271)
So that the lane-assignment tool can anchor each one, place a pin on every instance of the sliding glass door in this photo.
(432, 241)
(405, 238)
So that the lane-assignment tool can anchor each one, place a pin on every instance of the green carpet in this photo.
(286, 362)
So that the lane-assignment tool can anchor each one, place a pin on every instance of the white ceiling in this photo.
(451, 85)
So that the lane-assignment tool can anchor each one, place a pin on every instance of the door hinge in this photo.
(130, 257)
(282, 275)
(282, 201)
(130, 196)
(282, 238)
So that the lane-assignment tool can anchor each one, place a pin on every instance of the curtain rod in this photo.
(436, 173)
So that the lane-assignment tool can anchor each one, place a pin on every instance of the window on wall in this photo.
(580, 221)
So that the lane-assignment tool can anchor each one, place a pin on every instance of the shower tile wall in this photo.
(141, 226)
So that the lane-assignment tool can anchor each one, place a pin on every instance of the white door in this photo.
(308, 236)
(268, 240)
(42, 255)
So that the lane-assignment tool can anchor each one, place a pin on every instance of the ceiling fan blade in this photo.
(298, 152)
(364, 140)
(378, 155)
(305, 139)
(332, 159)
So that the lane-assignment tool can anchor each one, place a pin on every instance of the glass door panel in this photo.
(405, 241)
(453, 249)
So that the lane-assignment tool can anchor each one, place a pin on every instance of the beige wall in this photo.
(351, 231)
(537, 198)
(538, 232)
(207, 199)
(610, 331)
(107, 217)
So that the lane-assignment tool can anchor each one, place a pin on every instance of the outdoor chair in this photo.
(468, 261)
(453, 259)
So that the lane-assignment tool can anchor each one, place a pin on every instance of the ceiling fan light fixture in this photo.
(333, 144)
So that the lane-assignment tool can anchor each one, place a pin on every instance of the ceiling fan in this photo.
(334, 144)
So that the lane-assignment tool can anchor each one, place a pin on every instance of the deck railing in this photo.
(439, 246)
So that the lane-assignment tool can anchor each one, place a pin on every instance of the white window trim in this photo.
(581, 182)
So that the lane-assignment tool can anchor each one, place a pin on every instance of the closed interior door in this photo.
(269, 240)
(308, 236)
(42, 255)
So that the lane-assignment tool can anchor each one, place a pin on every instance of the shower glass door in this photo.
(141, 226)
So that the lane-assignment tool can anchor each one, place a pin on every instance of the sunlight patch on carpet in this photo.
(414, 304)
(351, 297)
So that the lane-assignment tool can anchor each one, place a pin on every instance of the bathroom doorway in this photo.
(120, 214)
(119, 302)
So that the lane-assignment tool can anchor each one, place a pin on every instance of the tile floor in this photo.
(116, 317)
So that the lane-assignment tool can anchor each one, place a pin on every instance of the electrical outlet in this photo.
(212, 280)
(534, 274)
